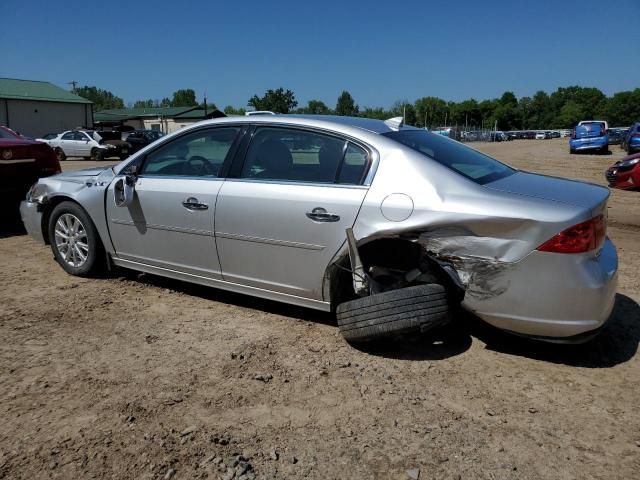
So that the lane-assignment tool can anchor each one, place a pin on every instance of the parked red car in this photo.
(22, 162)
(625, 173)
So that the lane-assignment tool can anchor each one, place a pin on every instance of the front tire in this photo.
(395, 312)
(97, 154)
(74, 240)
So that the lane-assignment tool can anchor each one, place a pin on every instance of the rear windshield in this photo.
(590, 128)
(454, 155)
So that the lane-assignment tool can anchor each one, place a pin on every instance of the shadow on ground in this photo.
(616, 344)
(10, 222)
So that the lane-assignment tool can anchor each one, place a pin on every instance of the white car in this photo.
(80, 143)
(540, 136)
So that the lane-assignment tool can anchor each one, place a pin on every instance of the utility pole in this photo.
(73, 83)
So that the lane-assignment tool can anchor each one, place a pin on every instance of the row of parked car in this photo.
(595, 135)
(98, 145)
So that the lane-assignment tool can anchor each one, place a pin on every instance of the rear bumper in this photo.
(552, 296)
(577, 145)
(32, 220)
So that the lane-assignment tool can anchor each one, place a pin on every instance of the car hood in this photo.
(86, 172)
(572, 192)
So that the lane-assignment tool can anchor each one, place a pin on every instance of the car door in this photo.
(170, 222)
(283, 218)
(67, 144)
(83, 144)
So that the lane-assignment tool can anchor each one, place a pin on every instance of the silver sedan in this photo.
(393, 227)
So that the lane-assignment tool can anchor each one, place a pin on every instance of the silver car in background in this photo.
(392, 226)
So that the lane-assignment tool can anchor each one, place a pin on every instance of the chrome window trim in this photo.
(297, 182)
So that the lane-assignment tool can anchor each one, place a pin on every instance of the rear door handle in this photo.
(192, 203)
(319, 214)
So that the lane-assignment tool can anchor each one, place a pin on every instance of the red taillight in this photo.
(603, 132)
(573, 133)
(580, 238)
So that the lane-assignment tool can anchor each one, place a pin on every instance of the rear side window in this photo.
(461, 159)
(303, 156)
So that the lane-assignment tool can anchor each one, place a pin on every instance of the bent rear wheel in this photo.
(395, 312)
(74, 240)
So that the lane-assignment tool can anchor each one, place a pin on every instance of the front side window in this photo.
(197, 154)
(463, 160)
(303, 156)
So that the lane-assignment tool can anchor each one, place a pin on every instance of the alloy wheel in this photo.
(71, 240)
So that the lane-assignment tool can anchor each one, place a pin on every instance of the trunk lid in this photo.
(571, 192)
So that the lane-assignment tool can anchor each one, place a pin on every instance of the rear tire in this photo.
(74, 240)
(396, 312)
(60, 155)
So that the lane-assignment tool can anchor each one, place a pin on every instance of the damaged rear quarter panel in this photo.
(483, 233)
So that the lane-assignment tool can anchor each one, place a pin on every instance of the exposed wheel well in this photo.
(394, 263)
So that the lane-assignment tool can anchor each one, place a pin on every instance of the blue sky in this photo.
(380, 51)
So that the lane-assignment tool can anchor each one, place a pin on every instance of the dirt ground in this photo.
(134, 376)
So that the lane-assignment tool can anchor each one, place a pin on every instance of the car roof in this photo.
(368, 124)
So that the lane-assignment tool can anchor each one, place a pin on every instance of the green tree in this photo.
(315, 107)
(230, 110)
(541, 111)
(144, 104)
(431, 111)
(623, 109)
(346, 106)
(590, 100)
(524, 110)
(277, 101)
(377, 113)
(184, 98)
(102, 99)
(570, 114)
(402, 108)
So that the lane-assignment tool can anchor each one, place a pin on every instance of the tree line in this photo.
(563, 108)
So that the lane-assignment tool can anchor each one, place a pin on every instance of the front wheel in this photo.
(97, 154)
(74, 240)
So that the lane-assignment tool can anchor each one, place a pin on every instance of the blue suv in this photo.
(589, 136)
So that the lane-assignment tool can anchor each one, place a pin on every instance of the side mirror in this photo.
(123, 191)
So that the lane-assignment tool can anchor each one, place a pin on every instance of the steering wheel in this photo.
(200, 166)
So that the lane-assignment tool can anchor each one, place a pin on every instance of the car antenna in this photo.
(395, 123)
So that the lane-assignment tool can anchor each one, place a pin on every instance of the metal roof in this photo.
(13, 88)
(146, 112)
(122, 114)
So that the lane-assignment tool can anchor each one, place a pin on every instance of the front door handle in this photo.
(319, 214)
(192, 203)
